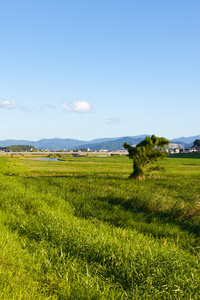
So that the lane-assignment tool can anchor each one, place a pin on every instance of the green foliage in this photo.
(78, 229)
(60, 156)
(195, 155)
(19, 148)
(146, 152)
(196, 142)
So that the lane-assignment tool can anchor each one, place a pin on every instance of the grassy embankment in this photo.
(79, 229)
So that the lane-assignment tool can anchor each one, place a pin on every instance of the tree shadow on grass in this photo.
(134, 205)
(175, 216)
(84, 176)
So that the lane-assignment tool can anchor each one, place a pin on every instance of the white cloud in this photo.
(9, 104)
(81, 106)
(13, 105)
(76, 106)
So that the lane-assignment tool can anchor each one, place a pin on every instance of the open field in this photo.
(80, 229)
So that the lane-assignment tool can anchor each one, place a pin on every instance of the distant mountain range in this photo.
(96, 144)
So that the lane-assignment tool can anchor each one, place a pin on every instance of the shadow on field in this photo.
(75, 176)
(175, 216)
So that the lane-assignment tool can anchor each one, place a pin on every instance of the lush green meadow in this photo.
(80, 229)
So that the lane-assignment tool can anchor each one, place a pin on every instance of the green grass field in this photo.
(80, 229)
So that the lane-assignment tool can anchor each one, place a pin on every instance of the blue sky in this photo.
(88, 69)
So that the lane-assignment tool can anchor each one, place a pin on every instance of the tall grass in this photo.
(80, 229)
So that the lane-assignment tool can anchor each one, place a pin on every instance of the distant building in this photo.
(84, 149)
(175, 146)
(196, 148)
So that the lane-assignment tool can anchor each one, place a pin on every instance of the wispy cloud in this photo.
(45, 107)
(76, 106)
(13, 105)
(24, 108)
(66, 106)
(9, 104)
(112, 121)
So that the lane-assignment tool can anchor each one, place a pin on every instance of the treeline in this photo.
(18, 148)
(196, 143)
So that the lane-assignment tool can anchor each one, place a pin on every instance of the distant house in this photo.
(189, 150)
(196, 148)
(103, 150)
(182, 150)
(176, 150)
(84, 149)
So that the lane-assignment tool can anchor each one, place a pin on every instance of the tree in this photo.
(196, 143)
(19, 148)
(146, 152)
